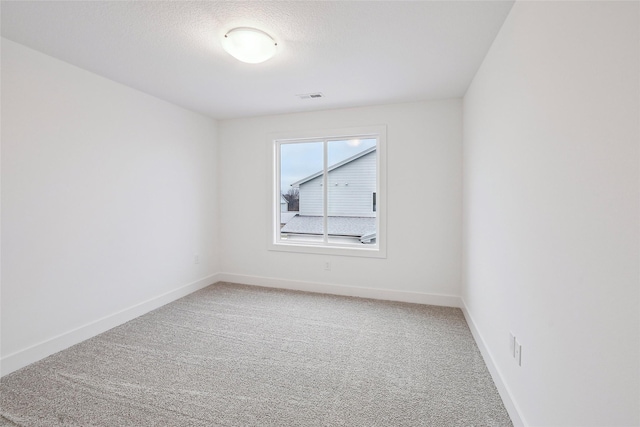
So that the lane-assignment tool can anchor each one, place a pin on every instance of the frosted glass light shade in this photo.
(249, 45)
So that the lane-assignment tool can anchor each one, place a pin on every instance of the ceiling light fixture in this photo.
(249, 45)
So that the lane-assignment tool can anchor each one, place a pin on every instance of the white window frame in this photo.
(275, 243)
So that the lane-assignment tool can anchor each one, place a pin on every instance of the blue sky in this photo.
(299, 160)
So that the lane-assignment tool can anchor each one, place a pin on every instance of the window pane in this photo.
(350, 187)
(301, 205)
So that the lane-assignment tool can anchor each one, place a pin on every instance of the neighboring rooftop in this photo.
(337, 225)
(285, 217)
(335, 166)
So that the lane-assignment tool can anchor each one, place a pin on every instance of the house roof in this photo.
(336, 166)
(285, 217)
(337, 225)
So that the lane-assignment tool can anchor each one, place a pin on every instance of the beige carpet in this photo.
(234, 355)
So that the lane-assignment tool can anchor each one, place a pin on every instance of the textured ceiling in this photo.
(355, 52)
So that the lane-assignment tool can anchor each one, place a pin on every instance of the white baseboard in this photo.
(22, 358)
(505, 394)
(353, 291)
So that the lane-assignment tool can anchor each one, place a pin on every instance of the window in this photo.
(327, 179)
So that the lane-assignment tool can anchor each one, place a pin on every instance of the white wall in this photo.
(424, 194)
(107, 194)
(551, 218)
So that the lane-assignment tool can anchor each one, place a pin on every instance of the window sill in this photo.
(356, 251)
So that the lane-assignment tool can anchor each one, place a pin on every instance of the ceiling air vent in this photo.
(311, 95)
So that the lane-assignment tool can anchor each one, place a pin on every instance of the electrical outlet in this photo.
(518, 353)
(327, 265)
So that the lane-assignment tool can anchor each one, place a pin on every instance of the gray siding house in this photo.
(284, 205)
(352, 184)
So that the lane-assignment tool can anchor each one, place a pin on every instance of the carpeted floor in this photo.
(234, 355)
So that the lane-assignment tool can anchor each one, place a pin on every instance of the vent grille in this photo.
(314, 95)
